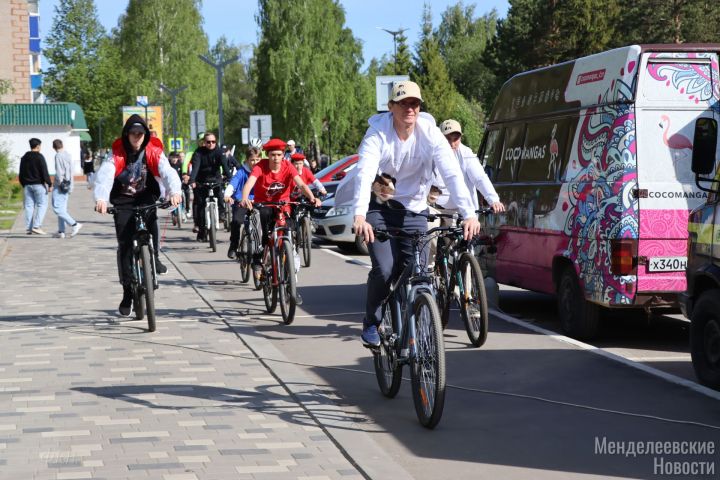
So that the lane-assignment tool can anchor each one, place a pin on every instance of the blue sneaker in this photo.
(370, 336)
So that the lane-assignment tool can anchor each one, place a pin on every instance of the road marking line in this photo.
(345, 257)
(610, 356)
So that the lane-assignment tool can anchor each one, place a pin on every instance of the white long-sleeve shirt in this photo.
(411, 162)
(475, 179)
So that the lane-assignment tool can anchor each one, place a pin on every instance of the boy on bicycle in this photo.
(298, 161)
(273, 180)
(233, 195)
(407, 146)
(130, 177)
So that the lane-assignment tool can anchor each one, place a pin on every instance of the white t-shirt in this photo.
(411, 162)
(475, 179)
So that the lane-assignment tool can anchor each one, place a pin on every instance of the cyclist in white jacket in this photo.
(406, 145)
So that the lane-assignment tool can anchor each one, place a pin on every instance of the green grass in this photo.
(9, 208)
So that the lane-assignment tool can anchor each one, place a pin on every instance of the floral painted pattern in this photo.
(690, 79)
(600, 194)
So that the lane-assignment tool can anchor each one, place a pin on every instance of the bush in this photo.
(6, 183)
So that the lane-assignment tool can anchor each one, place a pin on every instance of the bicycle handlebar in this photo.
(138, 208)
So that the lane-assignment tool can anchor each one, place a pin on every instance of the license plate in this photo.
(667, 264)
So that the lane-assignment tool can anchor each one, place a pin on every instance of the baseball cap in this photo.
(450, 126)
(137, 127)
(405, 89)
(274, 144)
(290, 142)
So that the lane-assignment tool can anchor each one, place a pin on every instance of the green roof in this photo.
(29, 114)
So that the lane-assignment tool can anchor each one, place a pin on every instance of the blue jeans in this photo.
(389, 257)
(59, 204)
(35, 200)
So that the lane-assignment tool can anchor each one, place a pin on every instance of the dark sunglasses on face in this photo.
(409, 104)
(211, 141)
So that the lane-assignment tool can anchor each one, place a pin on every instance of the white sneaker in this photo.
(59, 235)
(38, 231)
(75, 229)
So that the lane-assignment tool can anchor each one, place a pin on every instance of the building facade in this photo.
(20, 53)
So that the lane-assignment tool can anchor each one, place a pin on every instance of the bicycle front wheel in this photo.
(147, 286)
(179, 212)
(305, 239)
(387, 369)
(244, 255)
(442, 294)
(212, 229)
(427, 367)
(286, 283)
(138, 291)
(473, 299)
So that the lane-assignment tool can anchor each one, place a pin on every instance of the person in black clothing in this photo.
(130, 178)
(232, 163)
(209, 165)
(35, 180)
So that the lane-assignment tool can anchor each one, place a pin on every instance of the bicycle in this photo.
(144, 278)
(302, 231)
(411, 334)
(227, 217)
(211, 214)
(459, 278)
(250, 240)
(278, 266)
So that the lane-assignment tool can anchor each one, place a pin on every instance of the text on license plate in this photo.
(667, 264)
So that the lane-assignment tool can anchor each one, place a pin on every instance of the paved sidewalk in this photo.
(87, 394)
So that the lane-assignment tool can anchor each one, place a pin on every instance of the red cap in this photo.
(296, 157)
(274, 144)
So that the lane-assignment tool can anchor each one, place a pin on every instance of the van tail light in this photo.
(623, 260)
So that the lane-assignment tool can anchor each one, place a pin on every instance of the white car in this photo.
(334, 223)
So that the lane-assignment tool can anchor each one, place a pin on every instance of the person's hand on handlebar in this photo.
(471, 227)
(247, 203)
(175, 199)
(498, 207)
(101, 206)
(363, 229)
(228, 199)
(317, 202)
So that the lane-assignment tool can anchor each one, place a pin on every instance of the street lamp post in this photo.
(219, 73)
(100, 124)
(395, 34)
(173, 92)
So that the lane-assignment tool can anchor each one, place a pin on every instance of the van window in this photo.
(678, 81)
(544, 151)
(489, 152)
(511, 153)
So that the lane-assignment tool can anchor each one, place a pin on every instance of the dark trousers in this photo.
(201, 193)
(267, 221)
(237, 220)
(124, 231)
(390, 256)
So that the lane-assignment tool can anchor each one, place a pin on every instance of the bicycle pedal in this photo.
(373, 348)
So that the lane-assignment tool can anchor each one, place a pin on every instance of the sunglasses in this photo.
(210, 141)
(409, 104)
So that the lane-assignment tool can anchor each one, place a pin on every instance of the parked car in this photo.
(334, 223)
(338, 170)
(701, 301)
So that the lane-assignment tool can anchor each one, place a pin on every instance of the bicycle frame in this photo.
(279, 234)
(210, 204)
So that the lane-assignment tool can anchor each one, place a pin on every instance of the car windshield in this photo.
(333, 166)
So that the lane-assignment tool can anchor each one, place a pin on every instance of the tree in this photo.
(462, 39)
(440, 98)
(84, 65)
(669, 21)
(308, 75)
(160, 41)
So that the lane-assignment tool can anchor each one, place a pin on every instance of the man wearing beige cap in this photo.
(406, 145)
(473, 173)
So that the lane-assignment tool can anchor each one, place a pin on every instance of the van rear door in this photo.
(674, 90)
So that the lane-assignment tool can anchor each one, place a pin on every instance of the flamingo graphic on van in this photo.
(676, 141)
(554, 151)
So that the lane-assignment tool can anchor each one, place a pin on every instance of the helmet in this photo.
(257, 143)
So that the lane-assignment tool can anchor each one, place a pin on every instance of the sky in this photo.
(236, 19)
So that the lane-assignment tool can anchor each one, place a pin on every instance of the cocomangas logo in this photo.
(590, 77)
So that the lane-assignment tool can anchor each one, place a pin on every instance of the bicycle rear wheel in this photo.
(427, 367)
(147, 286)
(212, 229)
(387, 369)
(269, 291)
(443, 296)
(473, 299)
(305, 240)
(286, 283)
(244, 256)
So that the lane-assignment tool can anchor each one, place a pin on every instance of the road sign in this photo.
(261, 127)
(141, 101)
(245, 136)
(383, 88)
(197, 123)
(176, 144)
(154, 117)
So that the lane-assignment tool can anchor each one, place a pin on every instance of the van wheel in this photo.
(579, 318)
(705, 338)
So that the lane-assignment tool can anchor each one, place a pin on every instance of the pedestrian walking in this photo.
(88, 165)
(61, 193)
(35, 180)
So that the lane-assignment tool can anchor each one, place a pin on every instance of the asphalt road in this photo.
(525, 405)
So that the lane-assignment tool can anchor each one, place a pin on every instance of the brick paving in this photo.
(87, 394)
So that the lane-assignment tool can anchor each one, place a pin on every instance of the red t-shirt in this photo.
(307, 176)
(273, 187)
